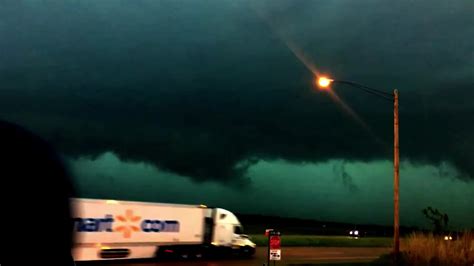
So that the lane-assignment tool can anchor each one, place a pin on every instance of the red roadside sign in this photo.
(275, 242)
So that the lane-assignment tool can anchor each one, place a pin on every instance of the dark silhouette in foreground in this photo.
(36, 188)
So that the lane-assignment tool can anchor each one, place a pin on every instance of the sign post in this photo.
(267, 234)
(274, 246)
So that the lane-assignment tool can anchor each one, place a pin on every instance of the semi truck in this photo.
(113, 229)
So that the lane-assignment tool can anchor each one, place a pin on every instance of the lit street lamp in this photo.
(325, 83)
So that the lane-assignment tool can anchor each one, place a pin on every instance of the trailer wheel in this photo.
(198, 255)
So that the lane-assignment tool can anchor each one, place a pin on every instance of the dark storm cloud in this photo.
(207, 88)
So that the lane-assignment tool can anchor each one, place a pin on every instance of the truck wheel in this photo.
(247, 251)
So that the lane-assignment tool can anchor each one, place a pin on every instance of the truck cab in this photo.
(228, 232)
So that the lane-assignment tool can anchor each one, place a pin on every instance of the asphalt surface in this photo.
(290, 256)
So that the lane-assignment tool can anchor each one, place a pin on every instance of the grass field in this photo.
(325, 241)
(427, 249)
(417, 250)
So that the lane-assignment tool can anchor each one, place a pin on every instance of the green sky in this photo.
(331, 191)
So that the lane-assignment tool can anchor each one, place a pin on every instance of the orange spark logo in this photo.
(128, 228)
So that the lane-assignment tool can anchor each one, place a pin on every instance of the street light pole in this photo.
(396, 176)
(325, 83)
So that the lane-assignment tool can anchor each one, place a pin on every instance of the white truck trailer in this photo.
(111, 229)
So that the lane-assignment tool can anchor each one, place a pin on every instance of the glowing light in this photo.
(324, 82)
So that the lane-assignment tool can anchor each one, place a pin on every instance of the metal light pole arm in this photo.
(376, 92)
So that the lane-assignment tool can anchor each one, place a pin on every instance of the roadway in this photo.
(290, 256)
